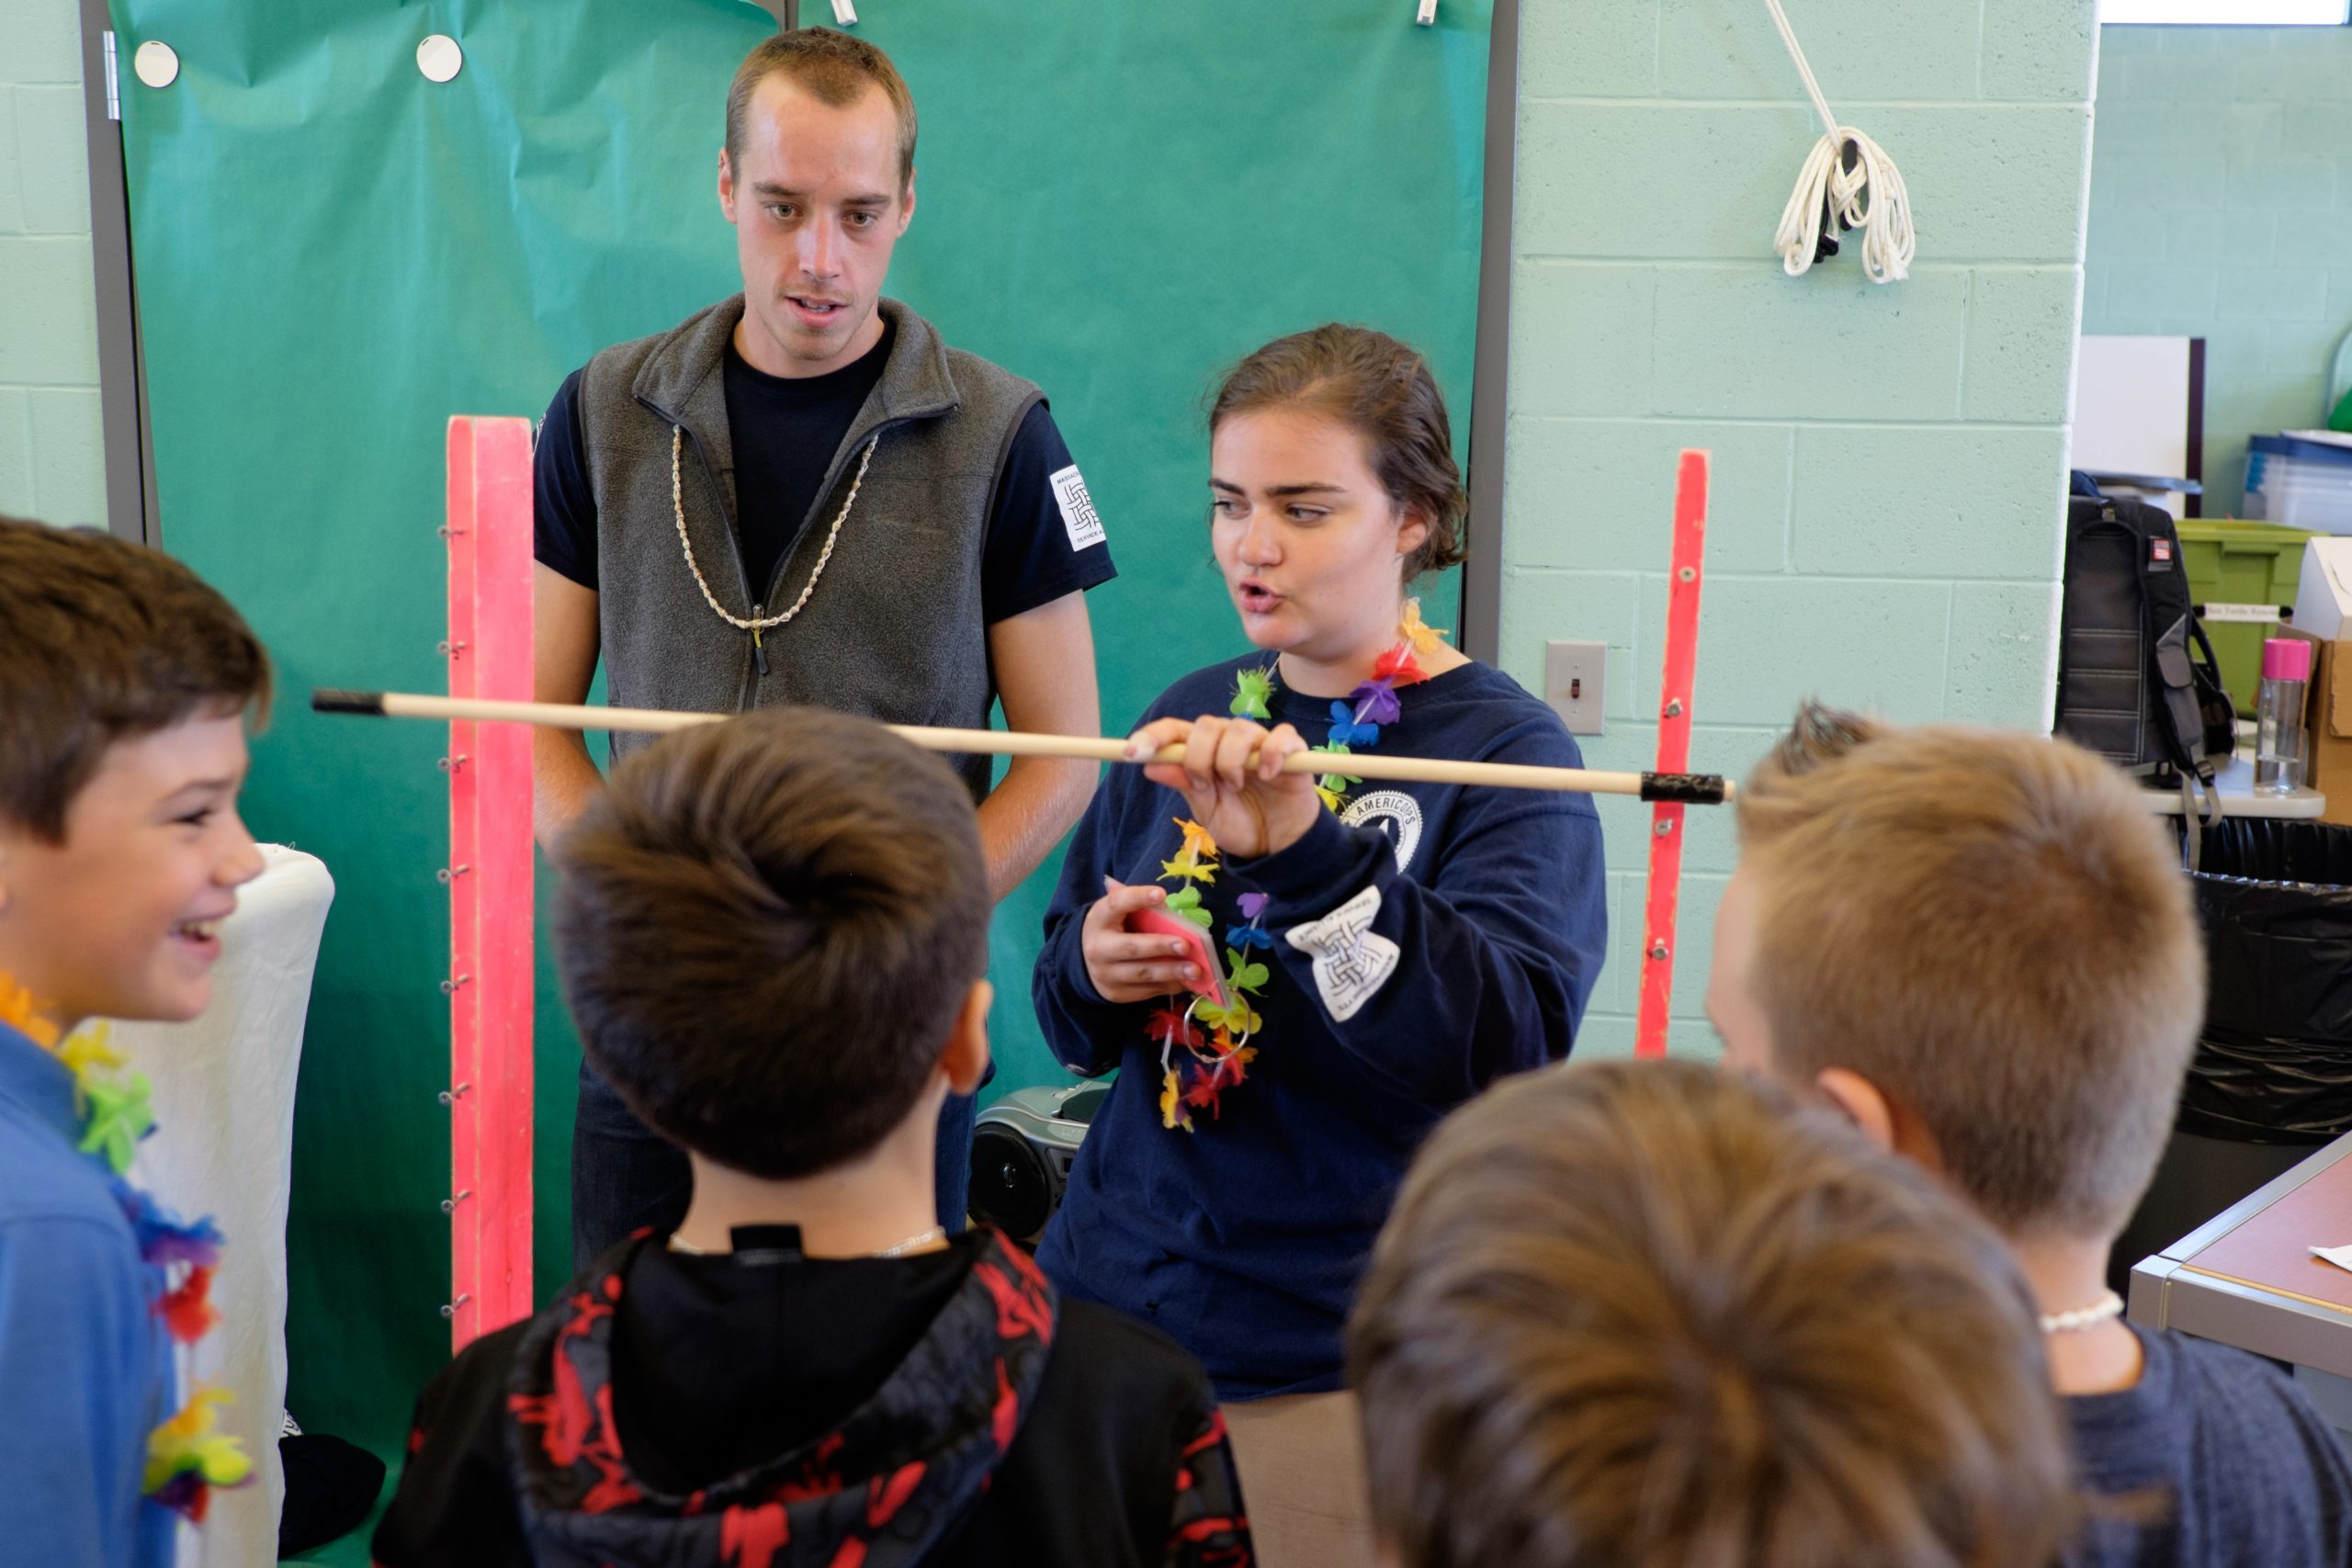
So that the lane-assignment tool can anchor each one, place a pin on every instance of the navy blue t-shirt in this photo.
(2235, 1464)
(785, 432)
(1426, 941)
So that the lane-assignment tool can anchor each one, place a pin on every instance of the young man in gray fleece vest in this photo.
(802, 495)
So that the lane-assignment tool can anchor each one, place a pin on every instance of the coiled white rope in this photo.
(1869, 196)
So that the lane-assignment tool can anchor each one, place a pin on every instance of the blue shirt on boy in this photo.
(1426, 941)
(2215, 1457)
(85, 1364)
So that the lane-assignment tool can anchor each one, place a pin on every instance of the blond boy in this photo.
(1980, 947)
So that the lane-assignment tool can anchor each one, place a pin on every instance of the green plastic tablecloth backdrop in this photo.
(333, 254)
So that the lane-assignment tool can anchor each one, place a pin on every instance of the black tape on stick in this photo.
(332, 699)
(1689, 789)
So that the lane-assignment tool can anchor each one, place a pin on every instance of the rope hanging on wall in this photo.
(1847, 178)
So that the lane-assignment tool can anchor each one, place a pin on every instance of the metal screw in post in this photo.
(1663, 827)
(451, 1096)
(449, 987)
(451, 764)
(449, 1309)
(449, 874)
(1658, 952)
(449, 1206)
(1688, 574)
(1674, 707)
(447, 649)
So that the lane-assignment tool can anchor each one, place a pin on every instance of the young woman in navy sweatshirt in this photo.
(1374, 955)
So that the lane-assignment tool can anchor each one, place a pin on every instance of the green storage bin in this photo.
(2235, 567)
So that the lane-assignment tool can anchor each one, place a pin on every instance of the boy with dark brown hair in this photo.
(1980, 947)
(125, 684)
(1651, 1315)
(772, 933)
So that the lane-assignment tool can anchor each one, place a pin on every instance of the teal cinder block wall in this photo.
(52, 463)
(2221, 209)
(1889, 462)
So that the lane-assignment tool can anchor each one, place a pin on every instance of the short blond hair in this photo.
(836, 69)
(1991, 928)
(1652, 1316)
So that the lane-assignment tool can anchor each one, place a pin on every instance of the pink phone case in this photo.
(1159, 922)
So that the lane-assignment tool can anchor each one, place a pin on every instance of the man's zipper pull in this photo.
(759, 648)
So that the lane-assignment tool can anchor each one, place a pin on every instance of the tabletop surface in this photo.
(2234, 784)
(2247, 1277)
(2270, 1249)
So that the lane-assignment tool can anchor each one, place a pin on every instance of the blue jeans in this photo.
(625, 1178)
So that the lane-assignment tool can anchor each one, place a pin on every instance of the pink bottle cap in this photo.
(2286, 659)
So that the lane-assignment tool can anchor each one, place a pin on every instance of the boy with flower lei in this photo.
(125, 686)
(1298, 977)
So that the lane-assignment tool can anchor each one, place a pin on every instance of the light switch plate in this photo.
(1573, 677)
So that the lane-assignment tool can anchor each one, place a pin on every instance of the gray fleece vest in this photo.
(894, 630)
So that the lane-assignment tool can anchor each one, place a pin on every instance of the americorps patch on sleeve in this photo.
(1352, 960)
(1080, 519)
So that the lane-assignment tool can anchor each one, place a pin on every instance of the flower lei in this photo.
(186, 1456)
(1204, 1047)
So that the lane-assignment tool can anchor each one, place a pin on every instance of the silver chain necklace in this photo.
(759, 624)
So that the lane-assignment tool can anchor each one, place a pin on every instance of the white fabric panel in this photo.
(224, 1146)
(2132, 408)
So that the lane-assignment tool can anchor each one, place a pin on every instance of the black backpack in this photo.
(2137, 680)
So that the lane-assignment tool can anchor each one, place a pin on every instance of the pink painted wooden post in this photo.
(491, 972)
(1673, 753)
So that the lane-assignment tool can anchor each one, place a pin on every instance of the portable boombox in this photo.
(1021, 1150)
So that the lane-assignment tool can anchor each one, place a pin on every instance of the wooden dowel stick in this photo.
(996, 742)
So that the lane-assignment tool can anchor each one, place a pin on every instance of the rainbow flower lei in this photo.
(1204, 1047)
(186, 1457)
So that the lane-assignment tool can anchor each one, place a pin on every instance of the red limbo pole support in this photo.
(1673, 753)
(489, 874)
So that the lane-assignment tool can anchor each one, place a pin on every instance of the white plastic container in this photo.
(2299, 482)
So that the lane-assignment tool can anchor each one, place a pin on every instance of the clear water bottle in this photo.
(2280, 744)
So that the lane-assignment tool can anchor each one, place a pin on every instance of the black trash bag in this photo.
(2274, 1064)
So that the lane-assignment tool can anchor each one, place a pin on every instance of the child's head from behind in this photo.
(772, 932)
(1981, 944)
(1332, 484)
(1652, 1316)
(125, 684)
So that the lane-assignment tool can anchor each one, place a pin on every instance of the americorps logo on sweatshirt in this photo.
(1395, 813)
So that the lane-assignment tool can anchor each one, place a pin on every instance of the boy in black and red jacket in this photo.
(772, 932)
